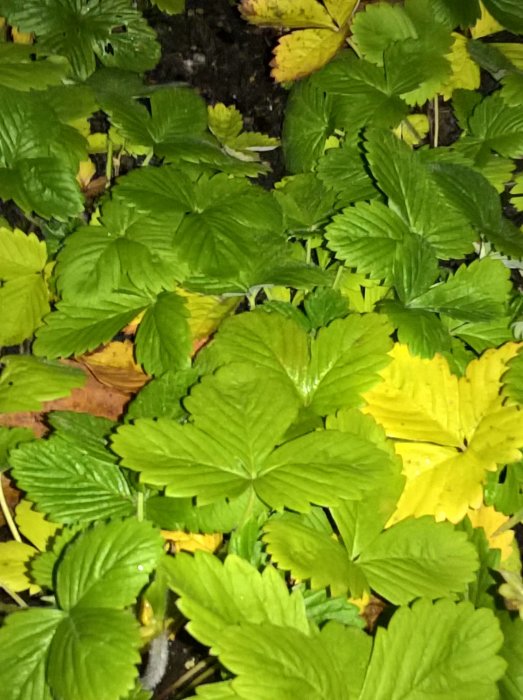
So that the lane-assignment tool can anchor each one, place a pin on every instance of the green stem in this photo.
(19, 601)
(251, 298)
(7, 514)
(337, 279)
(436, 121)
(109, 164)
(147, 158)
(139, 506)
(308, 251)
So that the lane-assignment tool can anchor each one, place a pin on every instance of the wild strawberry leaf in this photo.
(305, 201)
(508, 12)
(452, 430)
(113, 32)
(343, 170)
(230, 447)
(216, 595)
(465, 14)
(300, 53)
(27, 382)
(497, 126)
(282, 662)
(27, 68)
(511, 684)
(292, 14)
(72, 482)
(421, 330)
(327, 372)
(438, 647)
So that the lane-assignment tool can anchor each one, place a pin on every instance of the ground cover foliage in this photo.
(318, 466)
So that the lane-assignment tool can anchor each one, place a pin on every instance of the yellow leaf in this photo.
(490, 520)
(114, 366)
(413, 129)
(86, 172)
(485, 25)
(341, 10)
(33, 525)
(290, 14)
(224, 122)
(206, 312)
(22, 37)
(301, 53)
(452, 430)
(14, 557)
(191, 542)
(464, 71)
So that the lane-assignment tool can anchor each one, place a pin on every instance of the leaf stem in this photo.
(436, 121)
(7, 514)
(18, 600)
(109, 164)
(139, 506)
(337, 279)
(308, 250)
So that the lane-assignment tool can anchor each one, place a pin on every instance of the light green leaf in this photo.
(11, 438)
(419, 558)
(306, 202)
(163, 341)
(440, 648)
(24, 647)
(511, 684)
(481, 335)
(275, 664)
(108, 565)
(88, 638)
(80, 30)
(171, 7)
(26, 68)
(71, 482)
(161, 397)
(27, 382)
(73, 329)
(497, 126)
(322, 607)
(215, 595)
(466, 296)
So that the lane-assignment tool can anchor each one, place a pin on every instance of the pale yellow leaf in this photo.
(464, 71)
(291, 14)
(225, 123)
(485, 25)
(341, 10)
(191, 542)
(491, 521)
(301, 53)
(22, 37)
(86, 172)
(413, 129)
(206, 312)
(14, 557)
(33, 525)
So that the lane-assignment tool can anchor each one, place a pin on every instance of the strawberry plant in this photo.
(316, 466)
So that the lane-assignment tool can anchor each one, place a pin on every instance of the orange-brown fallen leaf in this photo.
(114, 366)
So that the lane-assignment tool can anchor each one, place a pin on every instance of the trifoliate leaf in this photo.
(23, 291)
(307, 124)
(80, 31)
(108, 565)
(14, 557)
(27, 382)
(276, 663)
(452, 430)
(437, 647)
(511, 684)
(88, 637)
(70, 481)
(74, 329)
(215, 595)
(24, 648)
(290, 14)
(27, 68)
(300, 53)
(465, 295)
(224, 451)
(163, 340)
(327, 373)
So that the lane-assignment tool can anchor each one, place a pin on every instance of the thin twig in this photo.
(7, 514)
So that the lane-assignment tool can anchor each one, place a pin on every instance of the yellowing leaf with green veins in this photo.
(225, 122)
(341, 10)
(14, 557)
(301, 53)
(33, 525)
(491, 521)
(290, 14)
(465, 72)
(23, 291)
(449, 430)
(485, 25)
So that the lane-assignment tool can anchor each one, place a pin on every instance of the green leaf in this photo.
(24, 648)
(419, 558)
(508, 13)
(80, 31)
(215, 595)
(414, 268)
(27, 68)
(466, 296)
(343, 170)
(306, 127)
(74, 329)
(305, 201)
(497, 126)
(481, 589)
(70, 481)
(416, 198)
(343, 360)
(279, 663)
(108, 565)
(11, 438)
(162, 396)
(465, 13)
(163, 341)
(27, 382)
(321, 608)
(440, 648)
(325, 305)
(88, 638)
(511, 684)
(421, 330)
